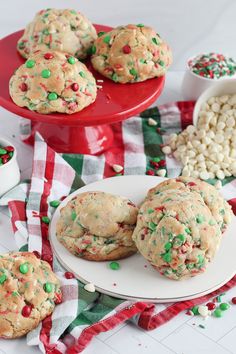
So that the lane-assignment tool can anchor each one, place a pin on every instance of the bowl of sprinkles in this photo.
(9, 169)
(204, 70)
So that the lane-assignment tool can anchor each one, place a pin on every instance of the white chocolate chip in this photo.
(203, 310)
(218, 185)
(90, 288)
(166, 150)
(152, 122)
(117, 168)
(204, 175)
(161, 172)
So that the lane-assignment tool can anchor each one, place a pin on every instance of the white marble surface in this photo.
(190, 27)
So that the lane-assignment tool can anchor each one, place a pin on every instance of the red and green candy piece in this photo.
(6, 154)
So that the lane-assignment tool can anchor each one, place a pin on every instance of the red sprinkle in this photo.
(37, 254)
(162, 163)
(58, 298)
(75, 87)
(154, 164)
(48, 56)
(126, 49)
(234, 300)
(9, 148)
(191, 184)
(26, 311)
(23, 87)
(150, 173)
(161, 208)
(211, 306)
(69, 275)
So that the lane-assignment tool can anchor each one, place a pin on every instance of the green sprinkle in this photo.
(167, 257)
(15, 293)
(24, 268)
(143, 61)
(152, 226)
(3, 278)
(218, 313)
(150, 211)
(140, 25)
(155, 41)
(201, 326)
(163, 230)
(48, 287)
(101, 33)
(211, 222)
(21, 45)
(93, 49)
(224, 306)
(52, 96)
(133, 72)
(161, 62)
(46, 31)
(107, 39)
(10, 153)
(218, 298)
(30, 63)
(188, 231)
(194, 310)
(168, 246)
(200, 219)
(46, 73)
(114, 265)
(3, 151)
(190, 266)
(156, 159)
(54, 203)
(114, 77)
(82, 74)
(45, 219)
(181, 237)
(71, 60)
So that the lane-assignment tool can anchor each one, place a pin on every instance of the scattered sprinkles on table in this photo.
(61, 30)
(6, 153)
(29, 291)
(131, 54)
(212, 66)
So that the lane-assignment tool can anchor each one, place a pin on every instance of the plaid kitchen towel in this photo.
(83, 315)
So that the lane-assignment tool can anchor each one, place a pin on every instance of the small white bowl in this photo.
(9, 172)
(194, 85)
(223, 87)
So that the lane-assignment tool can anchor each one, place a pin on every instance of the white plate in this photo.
(136, 279)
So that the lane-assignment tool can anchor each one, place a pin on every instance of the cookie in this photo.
(29, 291)
(219, 207)
(98, 226)
(131, 53)
(176, 232)
(60, 30)
(53, 82)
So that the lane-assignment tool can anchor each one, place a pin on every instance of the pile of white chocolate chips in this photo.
(208, 150)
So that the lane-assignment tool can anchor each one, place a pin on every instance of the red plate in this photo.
(86, 131)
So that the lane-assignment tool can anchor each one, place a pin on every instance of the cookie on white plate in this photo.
(98, 226)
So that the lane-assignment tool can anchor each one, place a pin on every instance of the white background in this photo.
(190, 27)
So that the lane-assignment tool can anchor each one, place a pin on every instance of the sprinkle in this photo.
(218, 298)
(82, 74)
(211, 306)
(117, 168)
(48, 287)
(200, 219)
(30, 63)
(155, 41)
(46, 73)
(167, 257)
(52, 96)
(26, 311)
(71, 60)
(3, 278)
(54, 203)
(140, 25)
(99, 87)
(224, 306)
(45, 219)
(100, 80)
(69, 275)
(107, 39)
(114, 265)
(150, 172)
(23, 87)
(194, 309)
(90, 288)
(126, 49)
(152, 122)
(75, 87)
(201, 326)
(48, 56)
(133, 72)
(218, 313)
(101, 33)
(24, 268)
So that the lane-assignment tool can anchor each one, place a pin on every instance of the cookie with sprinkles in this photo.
(98, 226)
(29, 291)
(61, 30)
(176, 233)
(53, 82)
(220, 209)
(131, 53)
